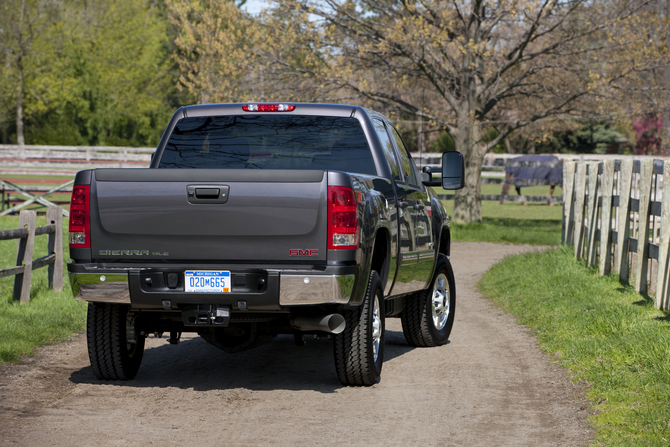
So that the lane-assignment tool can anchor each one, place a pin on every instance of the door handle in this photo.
(198, 194)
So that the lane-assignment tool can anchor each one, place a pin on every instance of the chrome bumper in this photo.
(296, 289)
(100, 287)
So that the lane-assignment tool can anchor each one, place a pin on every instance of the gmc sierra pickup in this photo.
(255, 220)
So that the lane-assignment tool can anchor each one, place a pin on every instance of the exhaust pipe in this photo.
(333, 323)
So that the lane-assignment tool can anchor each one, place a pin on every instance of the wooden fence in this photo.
(14, 157)
(616, 213)
(24, 257)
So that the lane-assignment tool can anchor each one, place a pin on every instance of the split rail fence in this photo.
(24, 256)
(616, 213)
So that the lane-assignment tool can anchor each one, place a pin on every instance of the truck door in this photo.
(419, 208)
(404, 254)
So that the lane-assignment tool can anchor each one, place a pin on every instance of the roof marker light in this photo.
(268, 107)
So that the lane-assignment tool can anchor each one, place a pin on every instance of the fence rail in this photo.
(616, 213)
(77, 157)
(24, 256)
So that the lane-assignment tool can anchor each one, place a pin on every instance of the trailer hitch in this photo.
(206, 315)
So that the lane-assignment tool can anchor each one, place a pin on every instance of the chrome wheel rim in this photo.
(440, 301)
(376, 328)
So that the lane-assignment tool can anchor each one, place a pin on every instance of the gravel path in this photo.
(490, 385)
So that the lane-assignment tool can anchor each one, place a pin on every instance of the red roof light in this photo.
(268, 107)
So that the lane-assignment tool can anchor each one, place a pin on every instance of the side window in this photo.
(387, 147)
(406, 163)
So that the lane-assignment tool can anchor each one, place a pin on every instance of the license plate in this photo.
(207, 281)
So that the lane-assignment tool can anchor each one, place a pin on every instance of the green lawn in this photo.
(604, 333)
(511, 222)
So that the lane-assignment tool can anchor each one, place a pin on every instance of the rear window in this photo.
(269, 142)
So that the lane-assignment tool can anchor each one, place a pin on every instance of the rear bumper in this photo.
(261, 290)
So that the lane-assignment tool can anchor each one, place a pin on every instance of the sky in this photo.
(255, 6)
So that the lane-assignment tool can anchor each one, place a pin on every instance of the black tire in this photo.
(355, 358)
(112, 357)
(423, 324)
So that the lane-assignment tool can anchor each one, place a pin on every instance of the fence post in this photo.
(580, 186)
(606, 218)
(593, 215)
(646, 174)
(623, 223)
(55, 217)
(662, 298)
(25, 253)
(568, 201)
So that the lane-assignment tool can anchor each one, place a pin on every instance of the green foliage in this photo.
(588, 137)
(444, 143)
(49, 317)
(105, 77)
(604, 333)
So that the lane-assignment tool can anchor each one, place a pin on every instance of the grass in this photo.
(509, 230)
(604, 333)
(49, 317)
(512, 223)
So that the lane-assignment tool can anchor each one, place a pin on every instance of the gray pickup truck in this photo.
(255, 220)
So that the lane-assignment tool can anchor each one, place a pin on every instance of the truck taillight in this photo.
(342, 219)
(268, 107)
(80, 226)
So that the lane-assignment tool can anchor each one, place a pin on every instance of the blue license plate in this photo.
(203, 281)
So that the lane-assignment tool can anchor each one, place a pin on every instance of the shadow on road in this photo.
(279, 364)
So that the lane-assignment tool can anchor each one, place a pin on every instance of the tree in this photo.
(90, 72)
(506, 64)
(22, 27)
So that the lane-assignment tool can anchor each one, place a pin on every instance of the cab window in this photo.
(387, 147)
(406, 162)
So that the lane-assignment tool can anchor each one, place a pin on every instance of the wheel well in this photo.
(445, 242)
(380, 255)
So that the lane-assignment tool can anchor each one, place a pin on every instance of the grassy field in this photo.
(515, 223)
(604, 333)
(49, 317)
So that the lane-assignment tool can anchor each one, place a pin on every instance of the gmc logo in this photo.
(303, 252)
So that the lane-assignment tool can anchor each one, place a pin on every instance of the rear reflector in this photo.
(342, 219)
(80, 226)
(268, 107)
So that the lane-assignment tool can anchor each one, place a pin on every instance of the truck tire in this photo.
(359, 349)
(429, 315)
(112, 355)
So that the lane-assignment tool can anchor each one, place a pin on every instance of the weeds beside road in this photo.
(604, 333)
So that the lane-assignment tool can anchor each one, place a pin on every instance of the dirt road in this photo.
(489, 386)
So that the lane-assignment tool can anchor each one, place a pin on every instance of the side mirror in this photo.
(452, 170)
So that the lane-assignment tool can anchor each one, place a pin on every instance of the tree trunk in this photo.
(19, 104)
(468, 201)
(509, 147)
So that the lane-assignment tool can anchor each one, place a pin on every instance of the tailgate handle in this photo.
(207, 193)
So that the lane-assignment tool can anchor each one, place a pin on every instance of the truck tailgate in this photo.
(258, 215)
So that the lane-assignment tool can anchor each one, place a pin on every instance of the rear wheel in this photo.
(115, 348)
(359, 349)
(429, 315)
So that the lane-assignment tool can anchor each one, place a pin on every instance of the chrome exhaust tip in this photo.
(332, 324)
